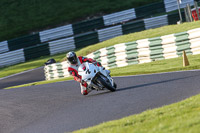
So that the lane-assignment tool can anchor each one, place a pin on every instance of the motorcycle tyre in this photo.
(106, 85)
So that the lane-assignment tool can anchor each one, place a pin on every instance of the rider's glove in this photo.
(99, 64)
(95, 63)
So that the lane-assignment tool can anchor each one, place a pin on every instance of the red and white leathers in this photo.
(73, 70)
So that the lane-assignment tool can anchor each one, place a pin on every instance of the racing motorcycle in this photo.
(96, 77)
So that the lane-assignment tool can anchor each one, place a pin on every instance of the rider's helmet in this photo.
(71, 57)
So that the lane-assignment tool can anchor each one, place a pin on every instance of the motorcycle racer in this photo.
(74, 63)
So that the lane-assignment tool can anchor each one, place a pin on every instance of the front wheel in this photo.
(106, 84)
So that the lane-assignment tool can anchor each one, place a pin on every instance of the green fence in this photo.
(23, 42)
(36, 51)
(134, 26)
(173, 18)
(149, 10)
(140, 51)
(88, 25)
(86, 39)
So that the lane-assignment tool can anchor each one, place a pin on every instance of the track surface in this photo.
(59, 107)
(23, 78)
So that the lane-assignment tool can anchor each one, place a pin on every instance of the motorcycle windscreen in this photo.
(87, 71)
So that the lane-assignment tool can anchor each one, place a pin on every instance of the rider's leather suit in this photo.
(73, 70)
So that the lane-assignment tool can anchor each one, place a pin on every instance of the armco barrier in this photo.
(89, 38)
(56, 33)
(88, 25)
(134, 26)
(61, 45)
(149, 10)
(109, 33)
(86, 39)
(36, 51)
(156, 22)
(98, 23)
(23, 42)
(171, 5)
(12, 57)
(141, 51)
(174, 18)
(119, 17)
(4, 47)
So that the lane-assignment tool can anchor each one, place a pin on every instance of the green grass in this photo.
(168, 65)
(21, 17)
(121, 39)
(182, 117)
(41, 82)
(6, 71)
(165, 30)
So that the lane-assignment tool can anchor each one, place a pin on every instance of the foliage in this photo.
(21, 17)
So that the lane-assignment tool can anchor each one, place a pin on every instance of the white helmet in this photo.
(71, 57)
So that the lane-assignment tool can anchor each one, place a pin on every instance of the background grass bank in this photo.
(165, 30)
(121, 39)
(168, 65)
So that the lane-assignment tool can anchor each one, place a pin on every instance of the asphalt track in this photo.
(23, 78)
(59, 107)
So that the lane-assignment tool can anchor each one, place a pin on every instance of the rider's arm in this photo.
(77, 77)
(84, 59)
(75, 74)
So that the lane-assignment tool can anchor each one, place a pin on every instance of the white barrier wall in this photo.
(110, 32)
(155, 22)
(13, 57)
(140, 51)
(56, 33)
(171, 5)
(118, 17)
(4, 47)
(61, 45)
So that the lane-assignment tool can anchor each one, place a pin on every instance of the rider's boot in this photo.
(85, 90)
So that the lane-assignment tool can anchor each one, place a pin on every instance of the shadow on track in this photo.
(149, 84)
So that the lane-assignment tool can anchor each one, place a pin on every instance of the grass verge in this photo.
(41, 82)
(165, 30)
(6, 71)
(182, 117)
(121, 39)
(168, 65)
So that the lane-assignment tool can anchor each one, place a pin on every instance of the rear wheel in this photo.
(106, 84)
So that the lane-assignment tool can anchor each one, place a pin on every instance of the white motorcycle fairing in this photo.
(90, 72)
